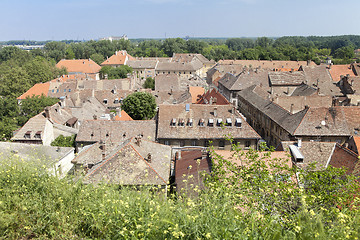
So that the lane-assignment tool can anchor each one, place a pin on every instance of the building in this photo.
(134, 162)
(203, 125)
(57, 160)
(80, 66)
(213, 97)
(118, 59)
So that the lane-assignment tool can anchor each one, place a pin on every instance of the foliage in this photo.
(34, 204)
(140, 106)
(115, 72)
(149, 83)
(97, 57)
(33, 105)
(62, 141)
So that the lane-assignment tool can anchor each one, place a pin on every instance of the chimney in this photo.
(148, 159)
(233, 110)
(138, 140)
(211, 101)
(308, 62)
(47, 112)
(102, 147)
(94, 117)
(292, 108)
(116, 53)
(215, 111)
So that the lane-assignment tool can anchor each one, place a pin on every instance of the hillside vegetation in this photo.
(237, 203)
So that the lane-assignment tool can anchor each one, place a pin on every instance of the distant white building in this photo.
(111, 38)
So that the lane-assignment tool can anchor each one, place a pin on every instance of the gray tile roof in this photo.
(318, 153)
(255, 96)
(130, 165)
(115, 131)
(286, 78)
(197, 113)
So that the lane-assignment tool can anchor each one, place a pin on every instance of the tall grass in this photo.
(34, 204)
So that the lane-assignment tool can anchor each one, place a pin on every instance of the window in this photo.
(181, 122)
(38, 135)
(64, 90)
(228, 122)
(206, 143)
(167, 142)
(193, 143)
(52, 90)
(182, 143)
(211, 122)
(69, 90)
(238, 122)
(221, 144)
(173, 122)
(57, 90)
(219, 122)
(201, 122)
(105, 101)
(27, 134)
(190, 122)
(247, 144)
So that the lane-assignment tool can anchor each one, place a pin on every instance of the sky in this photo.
(94, 19)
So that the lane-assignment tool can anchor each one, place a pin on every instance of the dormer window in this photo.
(238, 122)
(38, 134)
(116, 101)
(173, 122)
(228, 122)
(181, 122)
(105, 101)
(219, 122)
(190, 122)
(202, 122)
(211, 122)
(27, 134)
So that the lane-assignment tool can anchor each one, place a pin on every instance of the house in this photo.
(40, 130)
(186, 65)
(113, 132)
(295, 104)
(196, 93)
(167, 82)
(143, 68)
(219, 70)
(350, 86)
(319, 155)
(336, 71)
(134, 162)
(285, 82)
(119, 58)
(275, 124)
(203, 125)
(230, 85)
(190, 166)
(57, 160)
(80, 66)
(213, 97)
(38, 89)
(271, 65)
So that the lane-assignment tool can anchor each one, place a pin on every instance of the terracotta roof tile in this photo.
(216, 98)
(123, 117)
(37, 90)
(79, 66)
(119, 58)
(196, 93)
(337, 70)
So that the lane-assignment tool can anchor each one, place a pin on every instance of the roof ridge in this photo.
(148, 163)
(307, 110)
(88, 175)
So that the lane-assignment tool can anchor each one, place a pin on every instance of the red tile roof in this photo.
(337, 70)
(79, 65)
(220, 99)
(119, 58)
(37, 90)
(196, 92)
(123, 117)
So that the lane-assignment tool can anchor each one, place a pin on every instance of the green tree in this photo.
(115, 73)
(98, 58)
(149, 83)
(344, 52)
(33, 105)
(62, 141)
(140, 106)
(69, 53)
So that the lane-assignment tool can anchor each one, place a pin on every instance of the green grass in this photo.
(34, 205)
